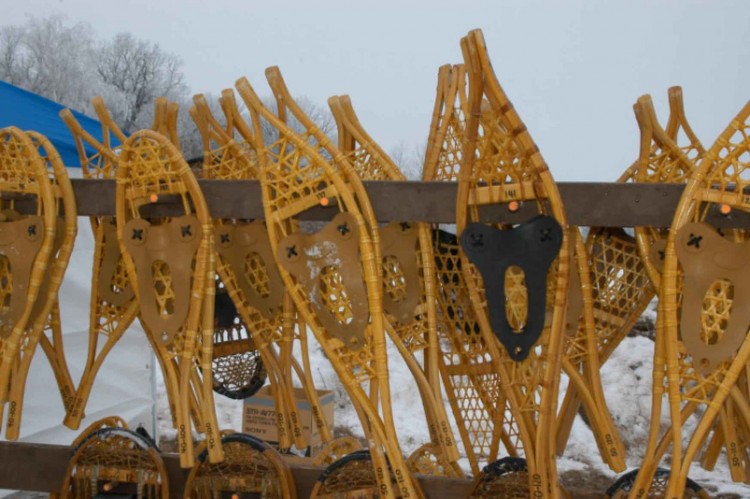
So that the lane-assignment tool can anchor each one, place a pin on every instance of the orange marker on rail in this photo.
(153, 198)
(513, 206)
(324, 201)
(725, 209)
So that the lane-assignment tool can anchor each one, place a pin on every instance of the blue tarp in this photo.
(29, 111)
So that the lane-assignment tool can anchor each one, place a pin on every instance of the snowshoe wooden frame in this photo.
(165, 119)
(472, 385)
(371, 163)
(263, 316)
(409, 293)
(334, 448)
(115, 456)
(151, 167)
(27, 246)
(280, 329)
(250, 466)
(113, 305)
(621, 291)
(46, 313)
(657, 164)
(285, 196)
(618, 265)
(718, 181)
(531, 385)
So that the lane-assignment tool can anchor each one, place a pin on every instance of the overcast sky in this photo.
(572, 69)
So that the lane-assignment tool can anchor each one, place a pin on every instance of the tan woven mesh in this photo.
(352, 476)
(473, 387)
(508, 477)
(657, 489)
(620, 288)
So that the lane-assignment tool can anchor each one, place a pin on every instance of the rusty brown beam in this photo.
(587, 203)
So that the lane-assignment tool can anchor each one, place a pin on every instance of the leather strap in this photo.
(706, 257)
(247, 249)
(332, 253)
(171, 247)
(532, 247)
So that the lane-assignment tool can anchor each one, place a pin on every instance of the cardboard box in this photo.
(259, 417)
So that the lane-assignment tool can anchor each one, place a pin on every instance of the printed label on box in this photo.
(259, 417)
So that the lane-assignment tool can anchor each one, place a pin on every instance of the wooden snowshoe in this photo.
(111, 460)
(620, 283)
(517, 276)
(701, 343)
(169, 262)
(27, 242)
(45, 317)
(334, 276)
(251, 468)
(471, 383)
(258, 290)
(409, 293)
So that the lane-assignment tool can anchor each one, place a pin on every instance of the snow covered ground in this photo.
(627, 384)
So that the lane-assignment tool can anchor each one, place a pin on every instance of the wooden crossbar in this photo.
(587, 203)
